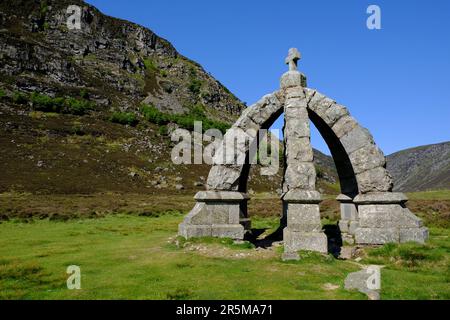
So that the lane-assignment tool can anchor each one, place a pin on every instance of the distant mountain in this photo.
(421, 168)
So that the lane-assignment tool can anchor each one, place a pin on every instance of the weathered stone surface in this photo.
(216, 213)
(220, 195)
(309, 93)
(413, 234)
(366, 158)
(288, 256)
(194, 231)
(358, 280)
(374, 180)
(293, 79)
(348, 211)
(222, 177)
(344, 198)
(347, 252)
(319, 104)
(234, 147)
(295, 241)
(353, 225)
(303, 217)
(348, 239)
(301, 175)
(300, 151)
(297, 125)
(292, 58)
(377, 235)
(234, 231)
(344, 225)
(264, 109)
(295, 92)
(245, 122)
(381, 198)
(356, 139)
(302, 196)
(387, 215)
(344, 125)
(333, 113)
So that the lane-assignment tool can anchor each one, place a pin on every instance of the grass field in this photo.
(137, 256)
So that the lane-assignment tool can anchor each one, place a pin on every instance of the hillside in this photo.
(421, 168)
(90, 110)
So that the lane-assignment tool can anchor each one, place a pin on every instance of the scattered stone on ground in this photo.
(359, 281)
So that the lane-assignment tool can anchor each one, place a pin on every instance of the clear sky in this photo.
(395, 81)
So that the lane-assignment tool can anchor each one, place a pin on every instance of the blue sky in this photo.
(395, 81)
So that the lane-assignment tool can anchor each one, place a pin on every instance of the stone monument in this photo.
(370, 212)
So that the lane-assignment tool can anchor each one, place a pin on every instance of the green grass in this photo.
(131, 257)
(430, 195)
(414, 271)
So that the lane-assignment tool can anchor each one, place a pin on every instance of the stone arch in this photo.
(360, 164)
(260, 115)
(370, 212)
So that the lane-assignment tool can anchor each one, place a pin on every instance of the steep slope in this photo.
(421, 168)
(71, 105)
(117, 63)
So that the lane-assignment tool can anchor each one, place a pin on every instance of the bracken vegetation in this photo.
(45, 103)
(185, 121)
(125, 118)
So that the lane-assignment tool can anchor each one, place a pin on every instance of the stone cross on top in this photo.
(292, 58)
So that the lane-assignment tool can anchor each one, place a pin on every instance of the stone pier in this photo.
(216, 214)
(370, 212)
(384, 218)
(349, 218)
(303, 229)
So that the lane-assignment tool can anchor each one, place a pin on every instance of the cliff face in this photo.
(118, 63)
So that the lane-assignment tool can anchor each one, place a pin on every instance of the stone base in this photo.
(349, 227)
(313, 241)
(233, 231)
(289, 256)
(389, 235)
(383, 218)
(216, 214)
(347, 238)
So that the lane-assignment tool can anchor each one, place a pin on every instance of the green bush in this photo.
(150, 65)
(19, 97)
(185, 120)
(153, 115)
(42, 102)
(163, 130)
(125, 118)
(2, 93)
(195, 86)
(76, 106)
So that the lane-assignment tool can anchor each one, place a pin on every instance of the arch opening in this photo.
(344, 168)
